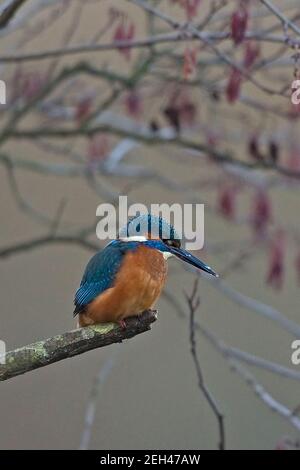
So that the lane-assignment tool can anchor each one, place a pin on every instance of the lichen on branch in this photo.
(71, 343)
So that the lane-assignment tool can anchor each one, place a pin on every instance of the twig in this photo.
(9, 11)
(90, 413)
(232, 352)
(150, 139)
(193, 303)
(178, 36)
(47, 240)
(235, 357)
(285, 21)
(264, 310)
(250, 380)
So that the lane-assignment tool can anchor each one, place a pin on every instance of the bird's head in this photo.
(155, 232)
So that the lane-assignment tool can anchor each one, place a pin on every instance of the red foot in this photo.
(122, 324)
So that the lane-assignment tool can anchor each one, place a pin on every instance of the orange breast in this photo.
(137, 286)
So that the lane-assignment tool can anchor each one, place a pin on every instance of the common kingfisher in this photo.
(127, 276)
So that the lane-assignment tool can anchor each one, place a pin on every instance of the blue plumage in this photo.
(132, 298)
(101, 270)
(149, 223)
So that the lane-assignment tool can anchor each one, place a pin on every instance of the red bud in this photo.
(252, 51)
(275, 272)
(234, 85)
(262, 213)
(227, 202)
(239, 23)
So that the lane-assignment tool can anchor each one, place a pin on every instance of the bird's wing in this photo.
(99, 274)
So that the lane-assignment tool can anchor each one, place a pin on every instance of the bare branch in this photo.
(251, 381)
(90, 412)
(72, 343)
(47, 240)
(144, 135)
(285, 21)
(264, 310)
(170, 37)
(9, 10)
(193, 302)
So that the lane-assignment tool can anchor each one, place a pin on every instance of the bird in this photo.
(128, 275)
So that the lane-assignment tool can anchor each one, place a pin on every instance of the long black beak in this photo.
(189, 258)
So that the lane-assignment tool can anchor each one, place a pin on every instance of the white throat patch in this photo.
(141, 238)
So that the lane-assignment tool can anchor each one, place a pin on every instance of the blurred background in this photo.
(198, 113)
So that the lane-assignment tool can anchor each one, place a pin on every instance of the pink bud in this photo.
(187, 109)
(275, 272)
(252, 52)
(212, 138)
(172, 114)
(293, 160)
(253, 147)
(274, 151)
(189, 63)
(190, 7)
(294, 112)
(234, 85)
(98, 147)
(261, 213)
(239, 23)
(227, 202)
(32, 84)
(133, 104)
(124, 32)
(83, 109)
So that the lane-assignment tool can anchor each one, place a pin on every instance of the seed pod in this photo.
(239, 23)
(227, 202)
(251, 53)
(172, 114)
(275, 273)
(234, 85)
(253, 148)
(261, 213)
(273, 151)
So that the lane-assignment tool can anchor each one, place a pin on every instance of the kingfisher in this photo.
(128, 275)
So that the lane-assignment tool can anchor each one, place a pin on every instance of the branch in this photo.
(251, 381)
(262, 309)
(24, 246)
(163, 38)
(9, 11)
(285, 21)
(90, 413)
(193, 302)
(125, 128)
(71, 343)
(235, 357)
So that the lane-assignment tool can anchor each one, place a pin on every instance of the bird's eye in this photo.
(172, 242)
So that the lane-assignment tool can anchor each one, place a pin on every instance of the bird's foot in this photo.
(153, 310)
(122, 324)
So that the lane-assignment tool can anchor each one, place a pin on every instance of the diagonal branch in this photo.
(285, 21)
(9, 11)
(71, 343)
